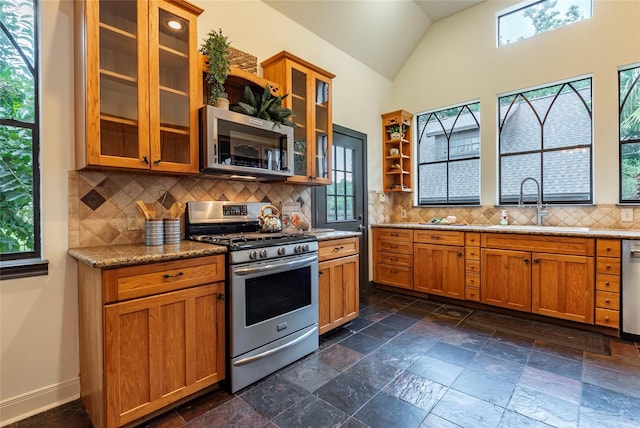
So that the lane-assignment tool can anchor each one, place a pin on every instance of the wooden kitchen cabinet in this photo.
(309, 97)
(396, 151)
(562, 286)
(608, 252)
(506, 279)
(472, 266)
(551, 276)
(393, 257)
(138, 88)
(438, 260)
(139, 355)
(338, 285)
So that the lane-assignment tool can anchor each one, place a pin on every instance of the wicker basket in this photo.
(243, 60)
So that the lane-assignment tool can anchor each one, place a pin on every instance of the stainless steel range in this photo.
(272, 288)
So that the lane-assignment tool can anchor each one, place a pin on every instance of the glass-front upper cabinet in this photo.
(309, 89)
(137, 63)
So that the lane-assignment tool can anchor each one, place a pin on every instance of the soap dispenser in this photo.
(504, 219)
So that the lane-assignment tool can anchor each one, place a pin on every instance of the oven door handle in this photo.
(263, 268)
(265, 354)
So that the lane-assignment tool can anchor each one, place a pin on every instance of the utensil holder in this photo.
(154, 231)
(171, 230)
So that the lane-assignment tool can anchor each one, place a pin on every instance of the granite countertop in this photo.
(114, 256)
(527, 230)
(329, 234)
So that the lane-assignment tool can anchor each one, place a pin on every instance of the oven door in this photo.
(271, 300)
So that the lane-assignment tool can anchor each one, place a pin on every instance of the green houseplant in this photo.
(265, 106)
(216, 48)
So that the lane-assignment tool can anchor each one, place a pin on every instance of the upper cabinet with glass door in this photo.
(309, 89)
(137, 66)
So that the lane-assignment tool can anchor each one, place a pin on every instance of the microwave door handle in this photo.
(277, 265)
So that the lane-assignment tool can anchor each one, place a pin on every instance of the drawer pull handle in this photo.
(393, 246)
(607, 300)
(178, 275)
(606, 283)
(606, 318)
(394, 271)
(393, 259)
(338, 248)
(435, 237)
(393, 234)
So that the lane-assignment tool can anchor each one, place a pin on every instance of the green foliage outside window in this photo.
(629, 81)
(17, 125)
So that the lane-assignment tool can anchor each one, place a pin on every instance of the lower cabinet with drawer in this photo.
(608, 271)
(150, 335)
(438, 259)
(393, 257)
(338, 285)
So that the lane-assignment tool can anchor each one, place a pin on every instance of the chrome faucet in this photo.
(539, 212)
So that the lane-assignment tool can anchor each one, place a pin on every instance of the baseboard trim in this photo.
(23, 406)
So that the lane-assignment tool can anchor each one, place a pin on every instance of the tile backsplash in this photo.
(595, 217)
(99, 202)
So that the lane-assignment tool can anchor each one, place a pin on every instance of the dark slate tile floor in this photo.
(409, 362)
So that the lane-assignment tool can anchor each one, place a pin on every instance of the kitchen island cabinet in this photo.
(338, 285)
(150, 335)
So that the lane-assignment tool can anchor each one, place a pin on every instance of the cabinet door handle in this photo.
(145, 160)
(178, 275)
(321, 272)
(459, 254)
(157, 162)
(525, 261)
(221, 296)
(536, 260)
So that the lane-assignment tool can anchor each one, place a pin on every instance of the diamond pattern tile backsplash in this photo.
(99, 203)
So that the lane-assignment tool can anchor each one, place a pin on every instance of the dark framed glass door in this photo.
(342, 204)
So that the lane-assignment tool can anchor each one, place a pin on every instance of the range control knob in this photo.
(297, 249)
(263, 254)
(282, 251)
(305, 247)
(253, 255)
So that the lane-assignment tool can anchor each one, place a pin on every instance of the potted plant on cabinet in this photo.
(265, 106)
(216, 48)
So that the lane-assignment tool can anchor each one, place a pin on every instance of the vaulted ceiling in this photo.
(381, 34)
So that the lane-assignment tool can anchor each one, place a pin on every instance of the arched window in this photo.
(546, 134)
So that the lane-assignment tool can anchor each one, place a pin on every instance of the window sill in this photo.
(13, 269)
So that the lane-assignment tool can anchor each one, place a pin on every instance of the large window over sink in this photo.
(546, 133)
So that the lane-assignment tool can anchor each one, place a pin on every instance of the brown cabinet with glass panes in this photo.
(309, 97)
(138, 92)
(396, 151)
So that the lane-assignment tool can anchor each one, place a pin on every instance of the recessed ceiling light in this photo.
(174, 24)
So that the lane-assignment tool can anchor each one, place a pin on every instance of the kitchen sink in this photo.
(534, 228)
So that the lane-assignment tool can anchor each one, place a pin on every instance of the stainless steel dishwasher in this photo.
(631, 289)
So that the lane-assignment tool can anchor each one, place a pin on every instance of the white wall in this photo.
(38, 316)
(458, 61)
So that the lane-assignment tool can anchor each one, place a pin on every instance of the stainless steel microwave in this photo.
(238, 146)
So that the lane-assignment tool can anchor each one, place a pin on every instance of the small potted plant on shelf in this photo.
(393, 131)
(216, 48)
